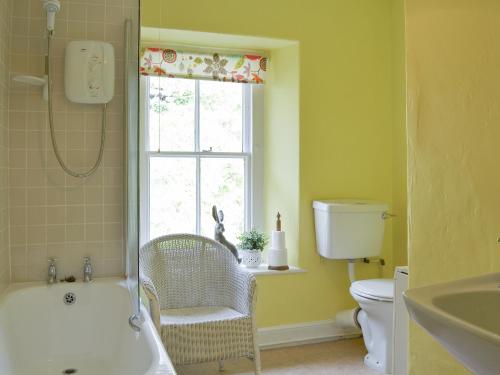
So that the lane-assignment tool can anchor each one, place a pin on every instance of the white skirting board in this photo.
(303, 333)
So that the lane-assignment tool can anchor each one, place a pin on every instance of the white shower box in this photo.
(89, 75)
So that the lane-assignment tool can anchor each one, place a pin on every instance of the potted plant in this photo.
(252, 244)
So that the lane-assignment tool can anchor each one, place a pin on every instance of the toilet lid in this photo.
(380, 289)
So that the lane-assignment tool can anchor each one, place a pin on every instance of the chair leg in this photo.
(221, 366)
(256, 359)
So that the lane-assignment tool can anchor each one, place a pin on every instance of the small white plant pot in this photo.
(251, 258)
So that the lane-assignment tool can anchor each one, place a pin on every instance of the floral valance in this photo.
(220, 67)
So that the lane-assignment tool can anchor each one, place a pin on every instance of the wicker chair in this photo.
(201, 302)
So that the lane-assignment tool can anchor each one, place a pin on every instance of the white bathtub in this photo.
(41, 335)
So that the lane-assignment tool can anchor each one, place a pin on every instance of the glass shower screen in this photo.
(131, 157)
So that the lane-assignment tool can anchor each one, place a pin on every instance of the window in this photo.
(197, 151)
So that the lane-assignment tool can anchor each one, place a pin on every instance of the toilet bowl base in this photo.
(374, 364)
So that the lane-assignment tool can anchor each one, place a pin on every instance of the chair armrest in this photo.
(154, 301)
(245, 291)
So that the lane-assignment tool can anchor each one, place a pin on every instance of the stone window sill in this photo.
(262, 270)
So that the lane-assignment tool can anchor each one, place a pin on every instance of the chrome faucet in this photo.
(87, 270)
(52, 274)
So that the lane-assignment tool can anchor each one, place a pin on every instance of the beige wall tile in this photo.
(74, 233)
(56, 233)
(20, 26)
(18, 256)
(75, 195)
(77, 12)
(19, 273)
(17, 177)
(93, 232)
(76, 29)
(17, 139)
(112, 231)
(52, 214)
(37, 253)
(93, 195)
(17, 235)
(36, 196)
(75, 215)
(35, 215)
(113, 214)
(17, 158)
(18, 215)
(36, 235)
(94, 213)
(95, 14)
(17, 196)
(35, 8)
(20, 8)
(56, 196)
(56, 214)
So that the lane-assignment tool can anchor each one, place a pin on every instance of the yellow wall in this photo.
(281, 145)
(399, 142)
(348, 113)
(453, 116)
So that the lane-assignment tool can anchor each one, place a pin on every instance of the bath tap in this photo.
(87, 270)
(52, 274)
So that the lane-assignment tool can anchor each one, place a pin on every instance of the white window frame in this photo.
(253, 118)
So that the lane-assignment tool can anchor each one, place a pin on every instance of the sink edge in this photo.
(414, 300)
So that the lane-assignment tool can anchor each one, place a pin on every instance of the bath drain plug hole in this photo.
(70, 371)
(69, 299)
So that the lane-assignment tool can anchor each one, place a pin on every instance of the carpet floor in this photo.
(343, 357)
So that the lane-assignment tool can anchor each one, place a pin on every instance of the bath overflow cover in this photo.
(69, 299)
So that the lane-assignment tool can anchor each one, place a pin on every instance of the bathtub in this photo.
(46, 331)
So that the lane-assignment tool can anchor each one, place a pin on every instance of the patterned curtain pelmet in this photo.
(219, 67)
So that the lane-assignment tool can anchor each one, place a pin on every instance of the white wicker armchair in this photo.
(201, 302)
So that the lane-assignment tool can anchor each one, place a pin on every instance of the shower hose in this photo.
(51, 123)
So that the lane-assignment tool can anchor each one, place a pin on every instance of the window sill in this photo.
(264, 271)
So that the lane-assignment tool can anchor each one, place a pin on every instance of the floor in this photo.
(330, 358)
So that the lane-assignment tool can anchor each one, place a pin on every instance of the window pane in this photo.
(171, 114)
(172, 207)
(221, 116)
(223, 185)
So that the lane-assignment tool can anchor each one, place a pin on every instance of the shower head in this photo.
(51, 7)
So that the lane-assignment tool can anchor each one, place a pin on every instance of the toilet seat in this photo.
(375, 289)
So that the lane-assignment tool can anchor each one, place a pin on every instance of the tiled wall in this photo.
(51, 213)
(5, 10)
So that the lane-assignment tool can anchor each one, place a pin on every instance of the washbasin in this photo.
(464, 316)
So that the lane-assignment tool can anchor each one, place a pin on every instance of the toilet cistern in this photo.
(349, 228)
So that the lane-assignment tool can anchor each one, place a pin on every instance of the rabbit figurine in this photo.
(219, 232)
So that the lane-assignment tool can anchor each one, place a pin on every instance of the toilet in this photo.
(350, 230)
(375, 298)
